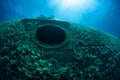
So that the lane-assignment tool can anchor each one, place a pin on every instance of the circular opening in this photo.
(50, 34)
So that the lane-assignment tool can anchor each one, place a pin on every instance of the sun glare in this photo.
(72, 4)
(73, 8)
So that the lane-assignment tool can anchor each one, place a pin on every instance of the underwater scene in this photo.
(59, 40)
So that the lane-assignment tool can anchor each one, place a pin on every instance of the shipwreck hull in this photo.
(69, 52)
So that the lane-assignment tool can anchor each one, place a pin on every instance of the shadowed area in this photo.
(50, 34)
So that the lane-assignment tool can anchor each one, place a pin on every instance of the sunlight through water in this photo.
(74, 8)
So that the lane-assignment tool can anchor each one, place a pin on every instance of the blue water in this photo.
(100, 14)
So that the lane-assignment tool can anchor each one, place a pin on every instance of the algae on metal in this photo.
(85, 54)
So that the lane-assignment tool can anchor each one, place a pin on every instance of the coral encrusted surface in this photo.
(82, 54)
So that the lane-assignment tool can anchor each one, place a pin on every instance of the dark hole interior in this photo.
(50, 34)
